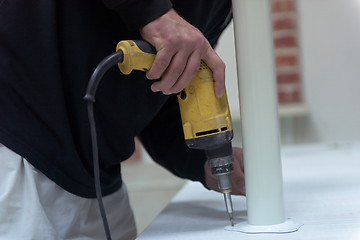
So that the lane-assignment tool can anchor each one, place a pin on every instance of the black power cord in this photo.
(97, 75)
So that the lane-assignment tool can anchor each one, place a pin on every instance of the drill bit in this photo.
(229, 206)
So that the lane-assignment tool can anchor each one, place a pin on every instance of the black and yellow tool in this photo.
(205, 118)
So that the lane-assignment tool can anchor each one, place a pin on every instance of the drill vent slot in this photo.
(199, 134)
(203, 66)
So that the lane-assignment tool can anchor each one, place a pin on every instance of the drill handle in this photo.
(145, 47)
(138, 55)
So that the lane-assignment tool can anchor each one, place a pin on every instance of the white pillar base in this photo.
(288, 226)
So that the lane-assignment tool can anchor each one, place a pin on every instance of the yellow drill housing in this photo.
(202, 113)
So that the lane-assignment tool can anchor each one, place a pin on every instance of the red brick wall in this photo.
(286, 44)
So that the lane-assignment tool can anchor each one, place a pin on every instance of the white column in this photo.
(259, 113)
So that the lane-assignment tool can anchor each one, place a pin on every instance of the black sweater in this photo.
(48, 51)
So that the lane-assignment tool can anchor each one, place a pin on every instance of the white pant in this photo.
(34, 207)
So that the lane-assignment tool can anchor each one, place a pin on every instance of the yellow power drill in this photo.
(205, 118)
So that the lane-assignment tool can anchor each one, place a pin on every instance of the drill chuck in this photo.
(221, 165)
(220, 161)
(224, 182)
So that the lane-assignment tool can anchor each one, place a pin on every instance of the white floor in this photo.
(321, 192)
(150, 187)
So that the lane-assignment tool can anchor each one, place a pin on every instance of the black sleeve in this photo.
(164, 140)
(137, 13)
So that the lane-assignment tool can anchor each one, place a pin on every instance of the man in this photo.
(48, 50)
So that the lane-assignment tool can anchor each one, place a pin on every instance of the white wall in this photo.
(330, 52)
(330, 38)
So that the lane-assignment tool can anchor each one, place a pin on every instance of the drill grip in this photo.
(138, 55)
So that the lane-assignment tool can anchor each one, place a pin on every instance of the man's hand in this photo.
(180, 47)
(237, 175)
